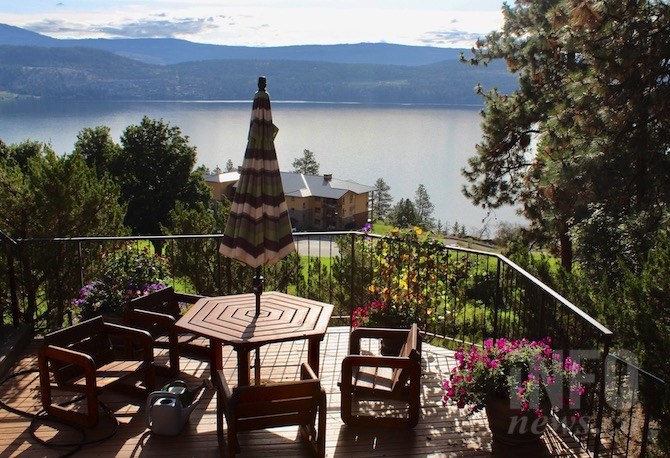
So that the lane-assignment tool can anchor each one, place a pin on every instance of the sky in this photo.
(441, 23)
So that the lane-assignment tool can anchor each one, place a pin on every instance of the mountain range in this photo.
(34, 65)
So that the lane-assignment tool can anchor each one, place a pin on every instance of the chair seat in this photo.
(111, 373)
(372, 378)
(163, 340)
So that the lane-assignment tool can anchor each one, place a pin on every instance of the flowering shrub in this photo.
(372, 314)
(527, 372)
(125, 273)
(402, 286)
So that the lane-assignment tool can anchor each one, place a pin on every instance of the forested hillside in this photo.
(85, 73)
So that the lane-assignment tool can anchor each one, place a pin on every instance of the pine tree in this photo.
(306, 164)
(382, 200)
(424, 208)
(587, 132)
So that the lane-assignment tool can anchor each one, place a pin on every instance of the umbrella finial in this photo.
(262, 83)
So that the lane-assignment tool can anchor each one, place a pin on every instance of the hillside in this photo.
(166, 51)
(56, 69)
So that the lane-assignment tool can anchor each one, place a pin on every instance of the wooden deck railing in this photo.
(471, 295)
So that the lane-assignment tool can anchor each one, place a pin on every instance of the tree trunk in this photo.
(565, 246)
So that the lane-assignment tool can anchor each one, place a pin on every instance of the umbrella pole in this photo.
(258, 289)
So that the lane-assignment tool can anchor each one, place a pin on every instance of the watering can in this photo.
(168, 410)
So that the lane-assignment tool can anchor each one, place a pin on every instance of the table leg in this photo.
(313, 351)
(257, 367)
(243, 367)
(215, 356)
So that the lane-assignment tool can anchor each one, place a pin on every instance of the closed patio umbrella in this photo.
(258, 231)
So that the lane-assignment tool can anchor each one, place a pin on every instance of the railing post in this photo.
(12, 289)
(219, 273)
(498, 298)
(351, 275)
(601, 396)
(81, 265)
(10, 244)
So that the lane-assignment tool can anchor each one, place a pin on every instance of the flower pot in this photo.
(511, 427)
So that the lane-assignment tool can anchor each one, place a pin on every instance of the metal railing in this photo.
(466, 295)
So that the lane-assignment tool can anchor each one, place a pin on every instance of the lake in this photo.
(405, 145)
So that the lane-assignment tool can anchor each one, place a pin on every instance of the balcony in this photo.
(472, 295)
(441, 431)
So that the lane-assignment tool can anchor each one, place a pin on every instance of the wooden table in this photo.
(231, 320)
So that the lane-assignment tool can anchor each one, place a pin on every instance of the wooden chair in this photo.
(157, 313)
(256, 407)
(82, 359)
(371, 377)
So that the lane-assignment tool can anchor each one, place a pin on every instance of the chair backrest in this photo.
(411, 349)
(89, 337)
(280, 404)
(162, 301)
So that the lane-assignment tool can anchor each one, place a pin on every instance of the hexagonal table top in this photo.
(232, 319)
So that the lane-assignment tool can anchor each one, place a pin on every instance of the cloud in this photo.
(263, 26)
(158, 26)
(456, 38)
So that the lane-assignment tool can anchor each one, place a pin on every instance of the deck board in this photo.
(442, 431)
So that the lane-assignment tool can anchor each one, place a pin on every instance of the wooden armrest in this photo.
(56, 353)
(49, 352)
(53, 352)
(222, 383)
(307, 373)
(128, 331)
(371, 333)
(148, 318)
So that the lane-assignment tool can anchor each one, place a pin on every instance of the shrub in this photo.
(125, 273)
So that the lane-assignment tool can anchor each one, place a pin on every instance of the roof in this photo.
(227, 177)
(300, 185)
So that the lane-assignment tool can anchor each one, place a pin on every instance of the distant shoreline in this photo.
(11, 97)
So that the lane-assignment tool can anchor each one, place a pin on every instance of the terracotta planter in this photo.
(511, 427)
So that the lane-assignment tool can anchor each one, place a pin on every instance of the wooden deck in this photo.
(441, 431)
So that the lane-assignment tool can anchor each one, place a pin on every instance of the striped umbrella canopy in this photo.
(258, 230)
